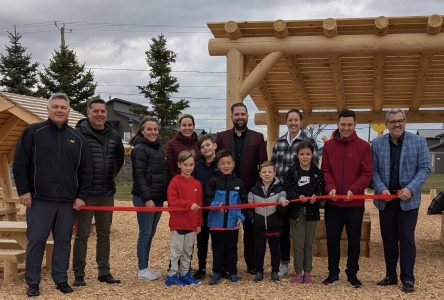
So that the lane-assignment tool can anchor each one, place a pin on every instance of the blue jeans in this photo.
(147, 228)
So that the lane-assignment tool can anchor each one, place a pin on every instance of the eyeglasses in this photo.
(394, 122)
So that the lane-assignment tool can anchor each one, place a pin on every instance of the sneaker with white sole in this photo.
(146, 274)
(155, 272)
(283, 270)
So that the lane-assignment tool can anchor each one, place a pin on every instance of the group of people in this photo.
(58, 169)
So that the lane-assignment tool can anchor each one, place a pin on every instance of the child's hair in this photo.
(184, 155)
(304, 145)
(205, 137)
(266, 163)
(224, 153)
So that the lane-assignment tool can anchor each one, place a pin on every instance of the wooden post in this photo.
(235, 77)
(272, 127)
(434, 24)
(6, 183)
(280, 29)
(432, 193)
(381, 24)
(232, 30)
(330, 27)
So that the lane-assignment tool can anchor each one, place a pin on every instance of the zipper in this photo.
(227, 202)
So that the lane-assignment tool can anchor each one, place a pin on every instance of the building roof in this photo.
(430, 133)
(124, 101)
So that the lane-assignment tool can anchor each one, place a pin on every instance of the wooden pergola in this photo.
(324, 66)
(17, 112)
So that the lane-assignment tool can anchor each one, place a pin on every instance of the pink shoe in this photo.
(307, 278)
(297, 279)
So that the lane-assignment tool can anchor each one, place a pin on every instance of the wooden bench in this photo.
(11, 259)
(13, 244)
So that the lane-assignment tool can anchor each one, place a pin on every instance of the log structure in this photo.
(323, 66)
(17, 112)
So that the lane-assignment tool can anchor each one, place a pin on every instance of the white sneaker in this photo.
(155, 272)
(283, 270)
(146, 274)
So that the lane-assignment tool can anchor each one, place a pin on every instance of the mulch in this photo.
(429, 270)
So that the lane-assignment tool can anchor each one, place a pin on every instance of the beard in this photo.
(240, 125)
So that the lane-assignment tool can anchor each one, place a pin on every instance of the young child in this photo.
(267, 220)
(186, 192)
(225, 189)
(303, 179)
(206, 167)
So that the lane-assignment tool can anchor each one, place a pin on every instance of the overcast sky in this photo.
(108, 34)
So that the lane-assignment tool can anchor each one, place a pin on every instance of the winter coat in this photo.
(178, 144)
(150, 171)
(267, 217)
(203, 173)
(315, 187)
(107, 156)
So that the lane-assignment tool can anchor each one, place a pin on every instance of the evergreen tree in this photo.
(19, 74)
(66, 75)
(159, 90)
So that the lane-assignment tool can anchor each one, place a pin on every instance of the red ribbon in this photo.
(238, 206)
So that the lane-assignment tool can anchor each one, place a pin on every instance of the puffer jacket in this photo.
(150, 171)
(107, 157)
(316, 187)
(225, 190)
(267, 217)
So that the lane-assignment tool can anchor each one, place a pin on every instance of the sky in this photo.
(111, 38)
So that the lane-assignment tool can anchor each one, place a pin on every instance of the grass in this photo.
(123, 190)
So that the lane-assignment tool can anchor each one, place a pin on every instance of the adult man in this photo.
(107, 156)
(401, 166)
(52, 174)
(249, 150)
(347, 166)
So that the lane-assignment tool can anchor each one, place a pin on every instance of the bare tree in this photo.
(314, 131)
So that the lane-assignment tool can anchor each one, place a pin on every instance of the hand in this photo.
(333, 193)
(195, 207)
(221, 210)
(149, 203)
(303, 199)
(405, 194)
(285, 203)
(386, 192)
(198, 230)
(165, 204)
(26, 199)
(77, 203)
(349, 193)
(313, 200)
(238, 225)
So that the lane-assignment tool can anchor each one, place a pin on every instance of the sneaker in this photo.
(354, 281)
(307, 278)
(387, 281)
(199, 274)
(283, 270)
(146, 274)
(155, 272)
(331, 280)
(64, 287)
(33, 290)
(189, 280)
(408, 287)
(214, 279)
(259, 276)
(274, 276)
(79, 281)
(297, 279)
(234, 278)
(174, 280)
(108, 279)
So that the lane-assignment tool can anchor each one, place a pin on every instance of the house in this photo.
(435, 141)
(431, 135)
(121, 118)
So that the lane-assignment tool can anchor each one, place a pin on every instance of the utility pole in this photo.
(62, 33)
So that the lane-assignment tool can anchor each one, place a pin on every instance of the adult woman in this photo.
(284, 156)
(150, 182)
(185, 139)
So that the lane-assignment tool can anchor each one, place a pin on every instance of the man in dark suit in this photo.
(249, 150)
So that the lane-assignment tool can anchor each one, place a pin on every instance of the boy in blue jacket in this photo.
(225, 189)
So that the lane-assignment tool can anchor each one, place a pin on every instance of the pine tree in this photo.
(66, 75)
(19, 74)
(163, 84)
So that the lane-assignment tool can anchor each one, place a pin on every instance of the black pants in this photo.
(202, 242)
(398, 238)
(248, 244)
(42, 218)
(285, 240)
(335, 220)
(224, 244)
(260, 242)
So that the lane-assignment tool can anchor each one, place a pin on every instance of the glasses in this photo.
(394, 122)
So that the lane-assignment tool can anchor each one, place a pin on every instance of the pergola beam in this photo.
(7, 126)
(432, 116)
(235, 76)
(280, 29)
(381, 25)
(232, 30)
(378, 74)
(434, 24)
(341, 44)
(421, 80)
(336, 73)
(330, 27)
(298, 80)
(5, 104)
(258, 74)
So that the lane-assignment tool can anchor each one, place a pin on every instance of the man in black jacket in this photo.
(106, 148)
(52, 174)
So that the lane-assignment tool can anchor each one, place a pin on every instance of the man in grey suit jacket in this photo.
(401, 165)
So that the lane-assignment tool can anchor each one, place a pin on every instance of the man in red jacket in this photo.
(249, 151)
(348, 168)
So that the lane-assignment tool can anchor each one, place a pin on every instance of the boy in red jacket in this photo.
(185, 192)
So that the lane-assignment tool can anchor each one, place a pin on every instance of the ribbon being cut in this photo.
(237, 206)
